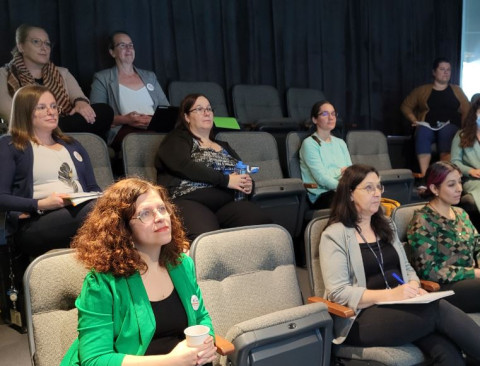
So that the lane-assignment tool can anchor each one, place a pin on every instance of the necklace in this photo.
(379, 262)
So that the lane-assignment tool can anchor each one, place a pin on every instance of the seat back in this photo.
(402, 216)
(293, 143)
(139, 151)
(254, 102)
(369, 147)
(256, 148)
(52, 283)
(313, 233)
(282, 198)
(249, 285)
(177, 90)
(99, 156)
(300, 102)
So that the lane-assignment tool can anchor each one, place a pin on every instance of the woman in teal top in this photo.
(141, 292)
(323, 157)
(466, 152)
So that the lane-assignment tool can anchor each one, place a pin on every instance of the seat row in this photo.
(256, 107)
(282, 195)
(249, 285)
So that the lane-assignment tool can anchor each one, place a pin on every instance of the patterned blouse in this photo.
(218, 160)
(443, 250)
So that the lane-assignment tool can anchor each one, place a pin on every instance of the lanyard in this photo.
(379, 262)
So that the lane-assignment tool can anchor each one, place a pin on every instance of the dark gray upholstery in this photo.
(474, 97)
(259, 106)
(177, 90)
(139, 151)
(370, 147)
(98, 152)
(52, 283)
(406, 355)
(293, 143)
(283, 198)
(300, 102)
(249, 284)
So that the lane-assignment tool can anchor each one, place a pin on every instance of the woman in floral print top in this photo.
(444, 241)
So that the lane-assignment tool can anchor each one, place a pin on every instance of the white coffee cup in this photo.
(196, 335)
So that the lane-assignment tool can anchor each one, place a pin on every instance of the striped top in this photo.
(443, 250)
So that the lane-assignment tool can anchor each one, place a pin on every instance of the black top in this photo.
(443, 107)
(174, 162)
(391, 264)
(171, 320)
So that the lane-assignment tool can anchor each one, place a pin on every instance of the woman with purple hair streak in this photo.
(443, 239)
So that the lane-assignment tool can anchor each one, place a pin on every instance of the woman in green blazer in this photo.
(141, 291)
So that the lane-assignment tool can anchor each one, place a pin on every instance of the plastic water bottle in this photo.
(240, 168)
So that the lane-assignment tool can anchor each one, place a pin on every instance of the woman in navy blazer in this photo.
(40, 167)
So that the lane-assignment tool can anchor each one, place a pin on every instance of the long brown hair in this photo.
(468, 135)
(104, 241)
(21, 118)
(343, 207)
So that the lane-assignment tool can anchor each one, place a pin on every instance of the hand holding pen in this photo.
(408, 289)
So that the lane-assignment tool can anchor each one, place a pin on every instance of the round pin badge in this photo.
(77, 156)
(195, 303)
(150, 87)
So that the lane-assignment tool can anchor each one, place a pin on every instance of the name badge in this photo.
(195, 302)
(78, 156)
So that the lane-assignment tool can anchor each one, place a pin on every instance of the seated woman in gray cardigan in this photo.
(134, 94)
(363, 263)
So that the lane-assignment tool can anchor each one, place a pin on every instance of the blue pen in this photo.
(398, 278)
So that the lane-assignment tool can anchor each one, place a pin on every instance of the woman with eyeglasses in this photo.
(41, 167)
(133, 93)
(31, 65)
(363, 263)
(199, 173)
(140, 292)
(323, 157)
(445, 244)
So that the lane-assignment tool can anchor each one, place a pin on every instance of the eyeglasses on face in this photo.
(326, 114)
(124, 46)
(148, 216)
(202, 110)
(42, 109)
(38, 43)
(371, 189)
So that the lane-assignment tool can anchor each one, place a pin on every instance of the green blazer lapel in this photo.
(143, 309)
(182, 284)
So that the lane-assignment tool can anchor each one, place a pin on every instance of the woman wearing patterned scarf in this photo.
(31, 65)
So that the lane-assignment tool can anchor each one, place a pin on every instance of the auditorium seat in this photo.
(177, 90)
(249, 285)
(259, 107)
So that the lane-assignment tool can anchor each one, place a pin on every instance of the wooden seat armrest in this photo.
(333, 308)
(310, 185)
(429, 286)
(224, 347)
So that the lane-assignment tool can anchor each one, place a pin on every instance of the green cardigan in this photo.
(115, 317)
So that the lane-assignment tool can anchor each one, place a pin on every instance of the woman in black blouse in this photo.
(198, 172)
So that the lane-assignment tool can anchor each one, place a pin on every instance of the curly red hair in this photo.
(104, 241)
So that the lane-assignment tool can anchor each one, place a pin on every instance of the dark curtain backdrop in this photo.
(366, 55)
